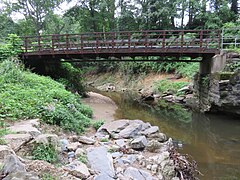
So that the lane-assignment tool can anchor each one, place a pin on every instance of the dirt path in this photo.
(103, 107)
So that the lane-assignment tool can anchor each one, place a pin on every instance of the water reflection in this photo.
(212, 140)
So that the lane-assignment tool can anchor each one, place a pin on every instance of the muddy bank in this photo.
(103, 107)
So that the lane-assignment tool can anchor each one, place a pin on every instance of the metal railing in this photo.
(230, 38)
(178, 41)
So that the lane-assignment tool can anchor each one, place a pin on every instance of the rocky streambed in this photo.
(121, 149)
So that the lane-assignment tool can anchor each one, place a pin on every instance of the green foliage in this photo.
(11, 47)
(83, 159)
(71, 77)
(97, 124)
(168, 85)
(104, 140)
(48, 177)
(26, 95)
(45, 152)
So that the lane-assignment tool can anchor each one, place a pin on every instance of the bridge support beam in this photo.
(210, 65)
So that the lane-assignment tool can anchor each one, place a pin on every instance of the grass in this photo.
(45, 152)
(168, 85)
(27, 95)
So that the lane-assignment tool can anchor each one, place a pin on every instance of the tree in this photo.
(35, 10)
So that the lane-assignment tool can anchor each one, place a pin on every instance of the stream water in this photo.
(212, 140)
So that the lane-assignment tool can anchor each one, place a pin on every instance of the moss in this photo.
(225, 75)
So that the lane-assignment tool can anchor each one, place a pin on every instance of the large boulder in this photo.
(27, 126)
(139, 143)
(86, 140)
(21, 175)
(151, 130)
(101, 161)
(78, 169)
(12, 164)
(114, 126)
(5, 151)
(16, 141)
(126, 129)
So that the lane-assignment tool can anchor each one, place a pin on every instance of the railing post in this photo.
(129, 40)
(222, 42)
(164, 38)
(39, 42)
(113, 38)
(97, 40)
(182, 38)
(26, 44)
(81, 37)
(53, 43)
(201, 39)
(67, 41)
(146, 40)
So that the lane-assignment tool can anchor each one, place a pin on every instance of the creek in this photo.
(213, 140)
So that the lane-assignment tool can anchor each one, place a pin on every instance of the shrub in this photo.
(45, 152)
(26, 95)
(11, 47)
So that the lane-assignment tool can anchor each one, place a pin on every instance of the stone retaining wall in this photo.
(218, 92)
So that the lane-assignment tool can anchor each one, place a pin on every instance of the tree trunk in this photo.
(234, 6)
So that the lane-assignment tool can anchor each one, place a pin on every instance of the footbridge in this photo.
(180, 45)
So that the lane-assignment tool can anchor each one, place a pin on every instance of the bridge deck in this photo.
(191, 43)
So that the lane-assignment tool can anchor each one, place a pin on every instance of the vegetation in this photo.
(26, 95)
(71, 77)
(83, 159)
(45, 152)
(11, 47)
(97, 124)
(168, 85)
(48, 177)
(109, 15)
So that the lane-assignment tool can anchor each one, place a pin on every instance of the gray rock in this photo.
(86, 140)
(179, 98)
(63, 144)
(71, 154)
(129, 159)
(48, 139)
(161, 137)
(120, 142)
(24, 127)
(79, 152)
(117, 154)
(12, 164)
(139, 143)
(22, 176)
(15, 141)
(151, 130)
(137, 174)
(114, 126)
(73, 146)
(5, 151)
(100, 160)
(78, 169)
(103, 177)
(144, 125)
(130, 131)
(154, 146)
